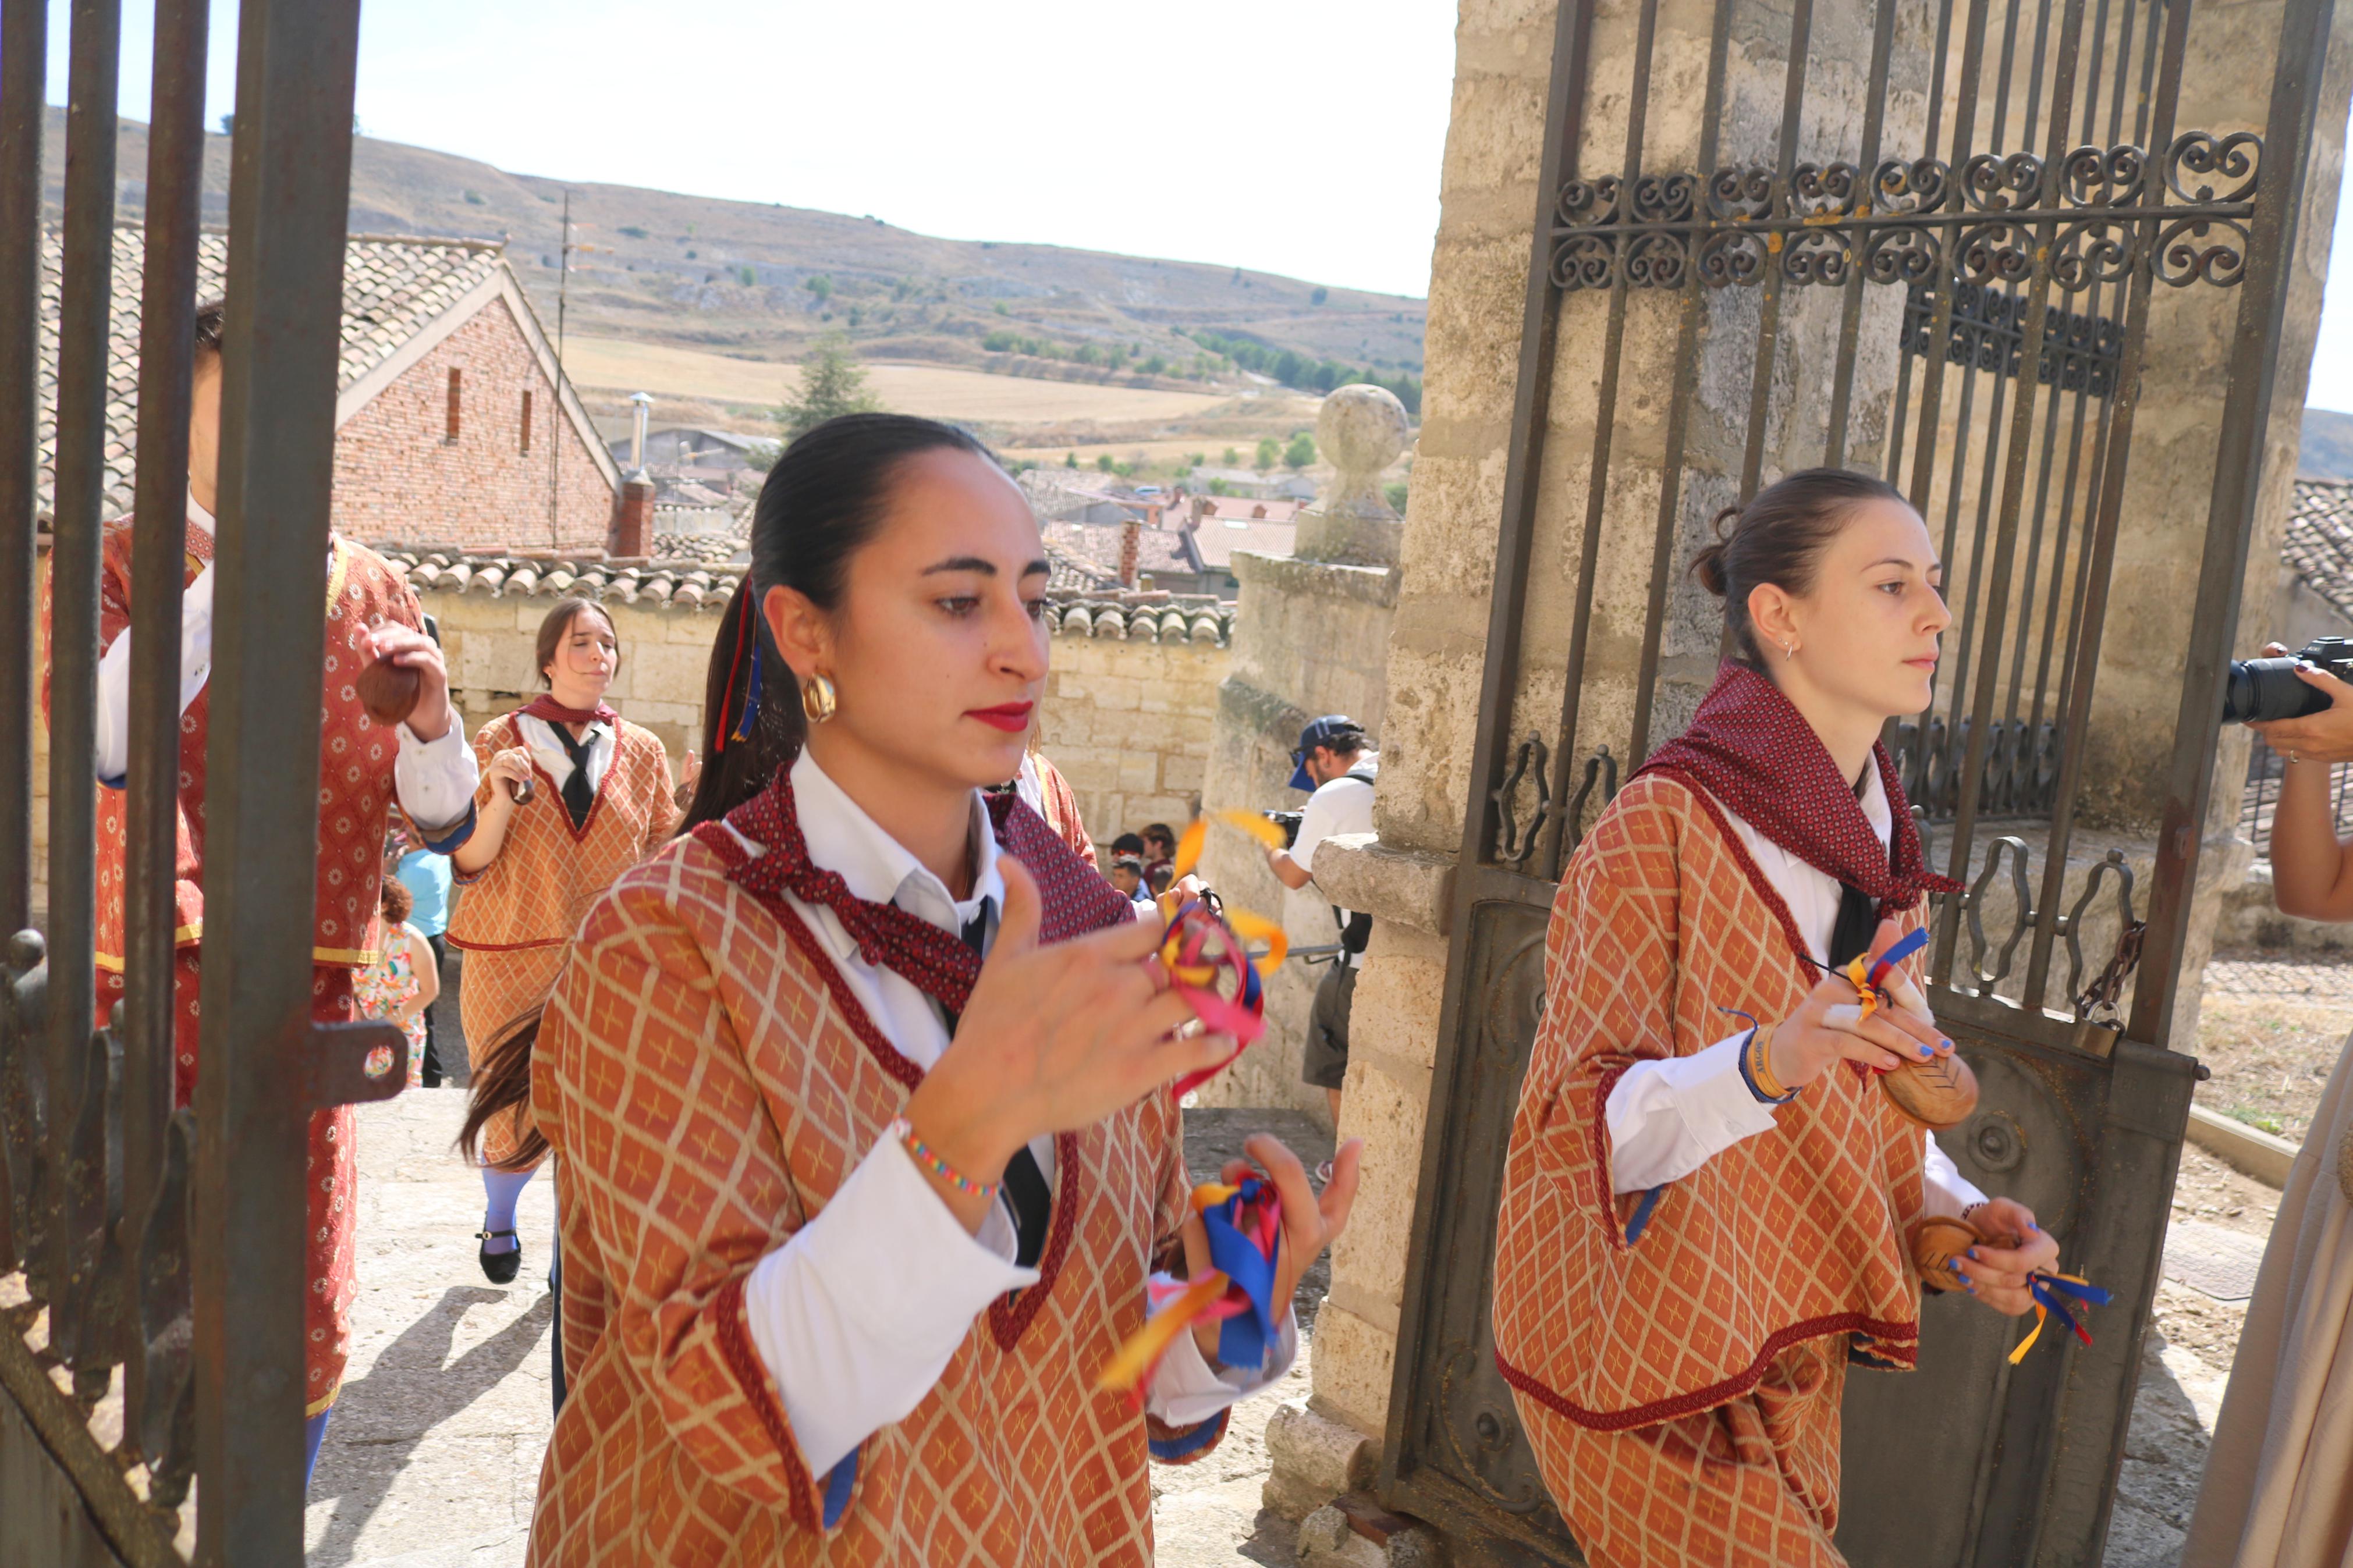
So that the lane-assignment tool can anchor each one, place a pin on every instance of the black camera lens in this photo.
(2265, 688)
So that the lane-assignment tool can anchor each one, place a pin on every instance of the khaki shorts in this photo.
(1324, 1060)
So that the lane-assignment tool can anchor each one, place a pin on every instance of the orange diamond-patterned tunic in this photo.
(1681, 1393)
(708, 1081)
(355, 802)
(518, 913)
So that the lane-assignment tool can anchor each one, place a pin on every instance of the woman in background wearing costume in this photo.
(1707, 1195)
(572, 796)
(860, 1089)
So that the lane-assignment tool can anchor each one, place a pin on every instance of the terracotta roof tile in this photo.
(2318, 546)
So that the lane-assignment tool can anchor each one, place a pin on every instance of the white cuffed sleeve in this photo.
(1669, 1118)
(436, 780)
(1948, 1192)
(114, 678)
(858, 1315)
(1184, 1390)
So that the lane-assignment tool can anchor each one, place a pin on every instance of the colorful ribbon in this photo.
(2048, 1290)
(1245, 1229)
(1205, 953)
(1869, 978)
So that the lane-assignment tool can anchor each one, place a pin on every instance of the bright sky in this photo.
(1300, 137)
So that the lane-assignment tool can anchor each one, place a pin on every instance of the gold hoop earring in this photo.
(819, 699)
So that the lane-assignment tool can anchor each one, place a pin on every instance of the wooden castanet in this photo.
(389, 691)
(1937, 1240)
(1937, 1093)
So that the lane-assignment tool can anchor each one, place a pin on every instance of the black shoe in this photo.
(500, 1267)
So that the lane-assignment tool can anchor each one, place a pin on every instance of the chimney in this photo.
(633, 517)
(640, 404)
(1131, 543)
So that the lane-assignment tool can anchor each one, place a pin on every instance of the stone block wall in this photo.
(1128, 724)
(397, 476)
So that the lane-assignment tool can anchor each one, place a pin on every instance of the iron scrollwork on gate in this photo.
(1915, 221)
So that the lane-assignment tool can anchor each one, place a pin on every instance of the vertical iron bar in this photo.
(1531, 405)
(1932, 379)
(24, 54)
(1768, 327)
(288, 196)
(86, 273)
(2088, 621)
(176, 167)
(1687, 337)
(1557, 830)
(2050, 452)
(1883, 43)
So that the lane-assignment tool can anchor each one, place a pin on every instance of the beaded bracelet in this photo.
(925, 1156)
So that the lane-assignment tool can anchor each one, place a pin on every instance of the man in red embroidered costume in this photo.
(867, 1156)
(371, 614)
(1702, 1221)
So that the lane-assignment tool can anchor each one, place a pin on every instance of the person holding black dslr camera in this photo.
(2275, 1480)
(1336, 761)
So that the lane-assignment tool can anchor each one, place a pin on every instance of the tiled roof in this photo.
(392, 288)
(1217, 540)
(708, 549)
(690, 585)
(2319, 544)
(684, 584)
(1098, 545)
(1142, 617)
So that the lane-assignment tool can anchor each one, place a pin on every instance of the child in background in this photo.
(402, 984)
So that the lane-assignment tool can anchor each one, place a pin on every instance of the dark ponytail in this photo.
(1778, 538)
(502, 1084)
(821, 506)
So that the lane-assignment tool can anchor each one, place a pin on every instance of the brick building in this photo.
(454, 424)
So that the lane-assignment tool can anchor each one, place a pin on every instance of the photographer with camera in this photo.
(1335, 759)
(2276, 1468)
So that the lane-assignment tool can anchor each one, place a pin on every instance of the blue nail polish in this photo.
(1972, 1289)
(1928, 1050)
(1948, 1045)
(1973, 1255)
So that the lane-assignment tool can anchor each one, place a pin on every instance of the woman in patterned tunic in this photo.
(1701, 1221)
(599, 801)
(860, 1089)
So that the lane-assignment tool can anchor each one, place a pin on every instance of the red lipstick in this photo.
(1010, 717)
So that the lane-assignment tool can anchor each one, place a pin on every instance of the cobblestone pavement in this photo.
(431, 1460)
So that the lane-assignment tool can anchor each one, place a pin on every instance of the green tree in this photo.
(1300, 453)
(1269, 452)
(1103, 462)
(747, 277)
(821, 285)
(832, 382)
(1233, 456)
(1071, 461)
(1320, 295)
(1396, 491)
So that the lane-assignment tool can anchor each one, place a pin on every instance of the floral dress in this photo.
(385, 986)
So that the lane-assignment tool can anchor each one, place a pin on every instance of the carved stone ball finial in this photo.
(1360, 432)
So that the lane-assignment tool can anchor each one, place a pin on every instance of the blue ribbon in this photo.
(1246, 1337)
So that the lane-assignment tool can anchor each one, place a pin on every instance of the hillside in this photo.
(2327, 452)
(759, 282)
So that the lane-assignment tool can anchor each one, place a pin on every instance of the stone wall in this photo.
(398, 475)
(1128, 724)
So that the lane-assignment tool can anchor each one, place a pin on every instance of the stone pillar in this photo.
(1311, 637)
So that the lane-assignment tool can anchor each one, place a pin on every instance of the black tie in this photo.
(1027, 1196)
(1857, 923)
(579, 794)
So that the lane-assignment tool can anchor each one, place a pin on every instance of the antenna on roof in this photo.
(555, 441)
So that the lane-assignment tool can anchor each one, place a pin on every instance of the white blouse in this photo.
(1669, 1118)
(859, 1314)
(433, 780)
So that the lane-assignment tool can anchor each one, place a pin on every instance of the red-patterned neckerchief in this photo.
(544, 706)
(936, 962)
(1750, 748)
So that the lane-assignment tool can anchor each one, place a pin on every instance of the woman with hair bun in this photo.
(869, 1164)
(1708, 1200)
(572, 796)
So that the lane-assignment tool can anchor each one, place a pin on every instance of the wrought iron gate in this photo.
(2001, 253)
(151, 1259)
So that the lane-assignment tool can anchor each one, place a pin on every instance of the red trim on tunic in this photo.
(742, 1359)
(1896, 1336)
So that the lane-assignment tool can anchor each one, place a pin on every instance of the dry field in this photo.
(939, 392)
